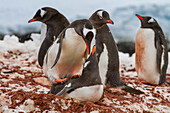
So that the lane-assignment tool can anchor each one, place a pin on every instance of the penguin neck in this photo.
(58, 18)
(97, 25)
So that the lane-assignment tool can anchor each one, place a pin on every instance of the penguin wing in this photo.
(43, 50)
(159, 48)
(61, 36)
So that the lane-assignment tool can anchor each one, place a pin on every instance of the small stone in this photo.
(42, 80)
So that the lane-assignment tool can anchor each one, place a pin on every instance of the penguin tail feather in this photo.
(167, 83)
(131, 90)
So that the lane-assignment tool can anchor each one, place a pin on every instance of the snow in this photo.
(29, 51)
(14, 14)
(11, 43)
(28, 106)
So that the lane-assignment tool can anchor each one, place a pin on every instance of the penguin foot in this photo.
(144, 82)
(75, 76)
(132, 90)
(147, 83)
(60, 81)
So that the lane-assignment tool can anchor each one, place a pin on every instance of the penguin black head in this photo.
(100, 18)
(147, 22)
(44, 14)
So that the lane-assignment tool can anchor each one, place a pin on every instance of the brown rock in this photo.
(42, 80)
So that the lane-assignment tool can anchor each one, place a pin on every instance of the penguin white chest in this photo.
(71, 58)
(146, 65)
(88, 93)
(103, 64)
(73, 49)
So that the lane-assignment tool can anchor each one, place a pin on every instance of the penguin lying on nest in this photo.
(86, 88)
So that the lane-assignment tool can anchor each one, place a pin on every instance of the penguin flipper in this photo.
(131, 90)
(159, 53)
(43, 50)
(61, 36)
(48, 41)
(162, 56)
(66, 88)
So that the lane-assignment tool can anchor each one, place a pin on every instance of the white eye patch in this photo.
(151, 20)
(85, 31)
(69, 85)
(100, 14)
(42, 12)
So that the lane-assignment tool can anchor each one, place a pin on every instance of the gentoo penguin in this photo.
(107, 52)
(53, 24)
(86, 88)
(65, 58)
(151, 52)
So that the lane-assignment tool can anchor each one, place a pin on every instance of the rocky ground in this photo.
(24, 87)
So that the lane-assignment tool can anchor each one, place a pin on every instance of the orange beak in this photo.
(88, 48)
(94, 49)
(109, 21)
(32, 20)
(141, 18)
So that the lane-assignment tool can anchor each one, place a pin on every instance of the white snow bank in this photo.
(11, 43)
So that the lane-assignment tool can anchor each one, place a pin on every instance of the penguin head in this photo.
(89, 32)
(147, 21)
(100, 18)
(86, 30)
(44, 14)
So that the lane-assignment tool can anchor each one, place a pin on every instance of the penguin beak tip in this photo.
(32, 20)
(140, 17)
(110, 21)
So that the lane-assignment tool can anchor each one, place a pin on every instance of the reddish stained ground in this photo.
(114, 100)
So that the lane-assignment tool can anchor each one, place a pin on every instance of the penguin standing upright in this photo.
(65, 58)
(151, 52)
(107, 52)
(86, 88)
(53, 24)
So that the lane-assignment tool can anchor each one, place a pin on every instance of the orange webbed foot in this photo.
(144, 82)
(75, 76)
(60, 81)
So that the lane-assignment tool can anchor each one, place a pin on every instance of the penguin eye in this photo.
(151, 20)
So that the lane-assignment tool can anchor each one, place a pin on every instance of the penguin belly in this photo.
(146, 64)
(87, 93)
(103, 64)
(71, 58)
